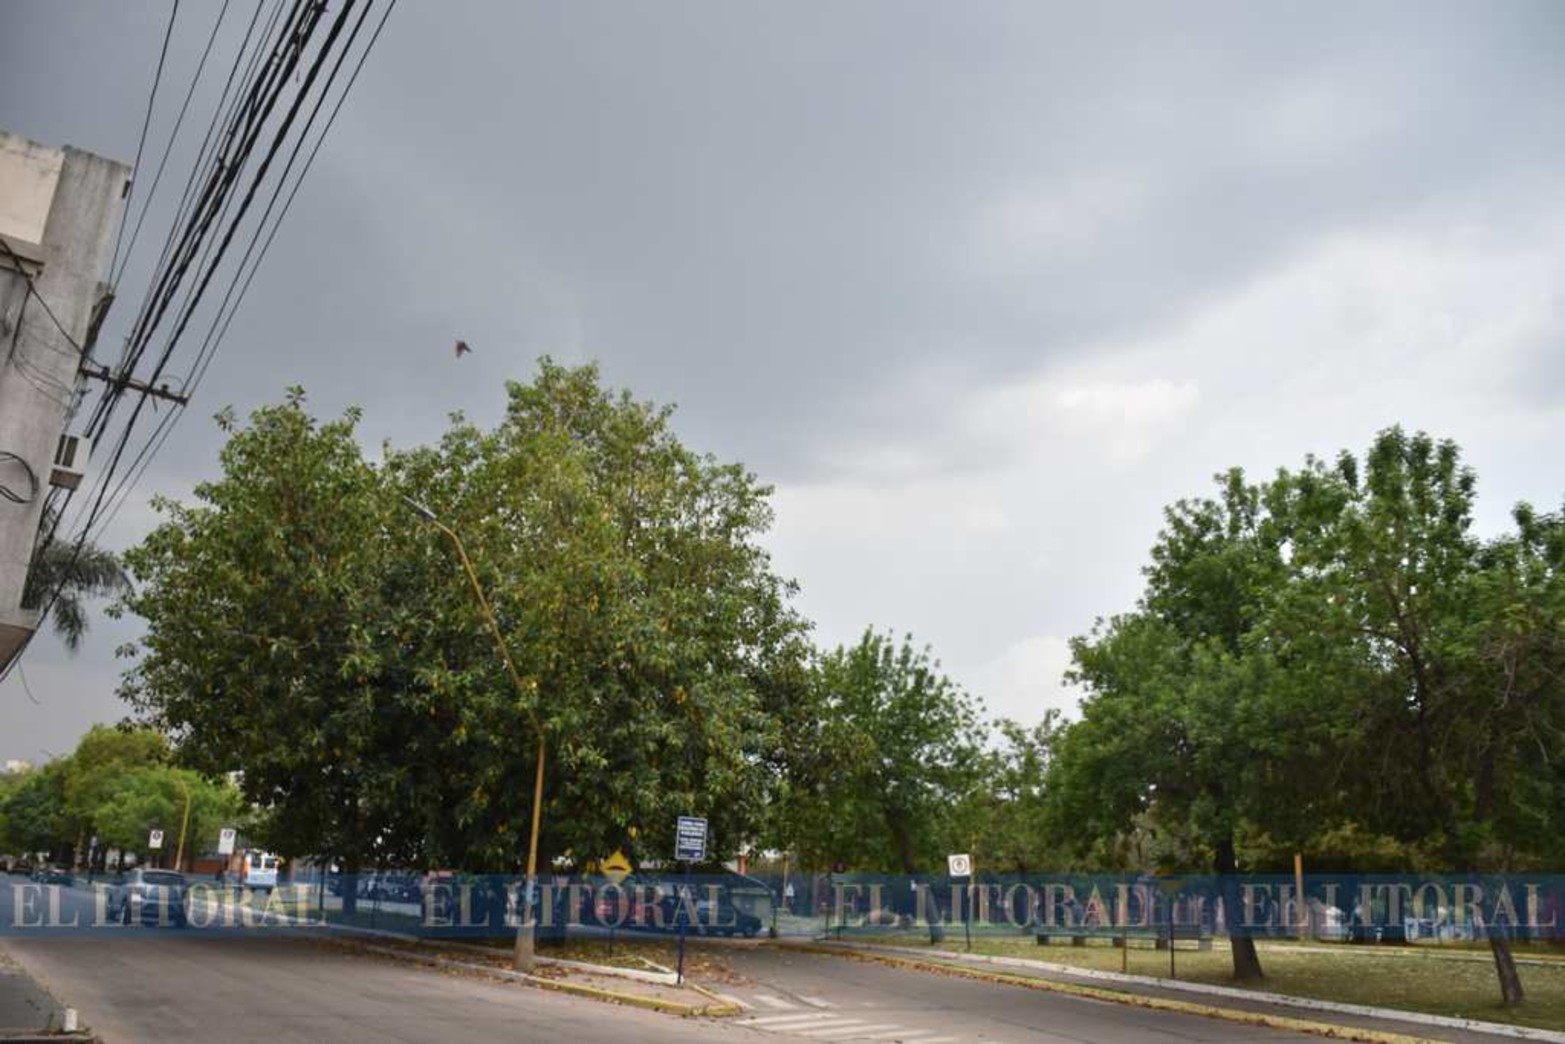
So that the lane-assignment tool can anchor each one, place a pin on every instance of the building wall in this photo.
(81, 196)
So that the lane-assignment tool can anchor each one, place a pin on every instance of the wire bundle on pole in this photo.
(287, 70)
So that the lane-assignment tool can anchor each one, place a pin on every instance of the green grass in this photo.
(1411, 978)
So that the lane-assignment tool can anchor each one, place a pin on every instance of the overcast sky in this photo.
(980, 287)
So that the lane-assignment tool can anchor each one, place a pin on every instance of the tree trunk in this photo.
(350, 887)
(1505, 967)
(1247, 962)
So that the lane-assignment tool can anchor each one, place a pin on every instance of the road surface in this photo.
(159, 984)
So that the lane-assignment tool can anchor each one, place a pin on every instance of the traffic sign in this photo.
(690, 839)
(616, 867)
(225, 841)
(960, 865)
(155, 839)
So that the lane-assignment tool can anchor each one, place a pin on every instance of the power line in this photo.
(32, 290)
(221, 113)
(189, 242)
(210, 344)
(146, 122)
(179, 121)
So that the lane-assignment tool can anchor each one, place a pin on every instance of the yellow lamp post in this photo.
(523, 959)
(179, 855)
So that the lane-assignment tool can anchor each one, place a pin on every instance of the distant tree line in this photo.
(115, 788)
(1329, 661)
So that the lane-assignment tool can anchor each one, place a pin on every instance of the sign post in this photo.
(689, 847)
(615, 868)
(155, 840)
(961, 866)
(225, 840)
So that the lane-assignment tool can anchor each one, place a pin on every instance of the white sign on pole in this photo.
(225, 841)
(960, 865)
(155, 839)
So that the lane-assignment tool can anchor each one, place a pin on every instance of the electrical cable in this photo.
(254, 111)
(179, 121)
(32, 290)
(152, 97)
(183, 320)
(210, 344)
(246, 117)
(32, 480)
(220, 114)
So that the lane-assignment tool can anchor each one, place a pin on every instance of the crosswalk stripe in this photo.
(824, 1028)
(767, 1021)
(819, 1002)
(850, 1032)
(775, 1002)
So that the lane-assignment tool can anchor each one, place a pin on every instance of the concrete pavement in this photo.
(156, 984)
(825, 998)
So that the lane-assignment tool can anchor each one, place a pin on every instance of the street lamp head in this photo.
(419, 509)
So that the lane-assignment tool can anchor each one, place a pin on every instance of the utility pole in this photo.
(58, 209)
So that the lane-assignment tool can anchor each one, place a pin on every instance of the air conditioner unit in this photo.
(70, 461)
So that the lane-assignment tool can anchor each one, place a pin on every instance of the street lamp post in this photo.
(523, 959)
(179, 855)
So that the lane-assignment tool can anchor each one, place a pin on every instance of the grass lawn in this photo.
(1414, 979)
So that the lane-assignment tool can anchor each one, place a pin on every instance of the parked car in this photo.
(142, 896)
(52, 875)
(721, 917)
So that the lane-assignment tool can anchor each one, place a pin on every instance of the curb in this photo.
(662, 977)
(1249, 1018)
(1499, 1029)
(720, 1009)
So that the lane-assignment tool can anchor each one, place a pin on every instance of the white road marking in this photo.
(859, 1032)
(838, 1030)
(770, 1021)
(818, 1002)
(775, 1002)
(812, 1029)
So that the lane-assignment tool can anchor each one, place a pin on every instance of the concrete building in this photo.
(58, 213)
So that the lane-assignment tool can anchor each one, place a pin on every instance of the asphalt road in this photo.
(160, 984)
(825, 998)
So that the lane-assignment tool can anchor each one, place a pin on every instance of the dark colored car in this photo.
(149, 897)
(722, 917)
(53, 875)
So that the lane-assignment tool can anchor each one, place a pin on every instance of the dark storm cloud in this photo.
(827, 230)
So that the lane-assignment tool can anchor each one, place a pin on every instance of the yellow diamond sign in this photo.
(616, 867)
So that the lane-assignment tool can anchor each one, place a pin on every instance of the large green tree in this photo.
(1187, 729)
(266, 625)
(1333, 662)
(157, 797)
(305, 626)
(1445, 652)
(879, 757)
(34, 812)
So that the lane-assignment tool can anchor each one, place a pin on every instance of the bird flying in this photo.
(462, 349)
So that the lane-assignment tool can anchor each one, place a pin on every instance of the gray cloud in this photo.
(980, 287)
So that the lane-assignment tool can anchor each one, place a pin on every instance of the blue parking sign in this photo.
(690, 839)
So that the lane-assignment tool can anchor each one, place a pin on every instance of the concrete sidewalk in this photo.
(26, 1008)
(1376, 1020)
